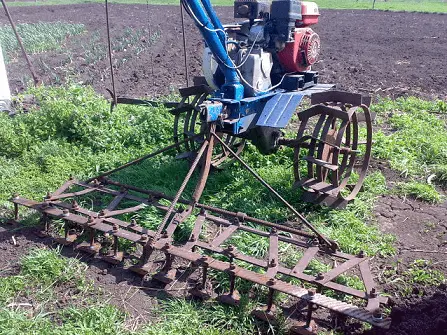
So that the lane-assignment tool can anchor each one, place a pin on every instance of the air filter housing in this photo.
(252, 9)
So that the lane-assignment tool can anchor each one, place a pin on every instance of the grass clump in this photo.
(416, 144)
(46, 266)
(9, 287)
(421, 272)
(420, 191)
(38, 37)
(190, 318)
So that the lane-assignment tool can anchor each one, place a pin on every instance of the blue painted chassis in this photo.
(267, 109)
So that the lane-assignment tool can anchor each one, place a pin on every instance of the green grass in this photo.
(416, 142)
(393, 5)
(38, 37)
(416, 278)
(420, 191)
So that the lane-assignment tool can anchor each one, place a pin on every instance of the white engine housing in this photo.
(255, 69)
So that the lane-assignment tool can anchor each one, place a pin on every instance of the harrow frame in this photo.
(199, 251)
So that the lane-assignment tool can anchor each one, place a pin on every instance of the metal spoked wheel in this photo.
(330, 161)
(187, 123)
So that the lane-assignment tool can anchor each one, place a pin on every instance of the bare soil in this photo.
(381, 53)
(371, 52)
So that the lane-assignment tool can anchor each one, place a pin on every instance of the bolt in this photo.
(273, 231)
(311, 293)
(167, 245)
(271, 282)
(232, 266)
(15, 196)
(320, 276)
(65, 212)
(71, 177)
(115, 227)
(241, 216)
(75, 205)
(143, 238)
(373, 293)
(164, 234)
(192, 238)
(377, 315)
(230, 248)
(361, 254)
(102, 213)
(204, 259)
(133, 222)
(90, 220)
(48, 196)
(273, 263)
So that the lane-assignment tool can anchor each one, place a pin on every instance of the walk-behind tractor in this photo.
(256, 74)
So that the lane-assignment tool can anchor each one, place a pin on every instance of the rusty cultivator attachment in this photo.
(332, 153)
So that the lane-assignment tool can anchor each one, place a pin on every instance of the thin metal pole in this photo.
(110, 54)
(19, 40)
(185, 56)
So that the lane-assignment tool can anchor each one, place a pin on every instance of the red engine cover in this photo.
(302, 52)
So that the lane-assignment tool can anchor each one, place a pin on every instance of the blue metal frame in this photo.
(269, 109)
(210, 26)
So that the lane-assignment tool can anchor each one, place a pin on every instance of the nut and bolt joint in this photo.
(271, 282)
(311, 293)
(65, 212)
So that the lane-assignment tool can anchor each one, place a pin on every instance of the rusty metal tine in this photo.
(125, 210)
(195, 234)
(304, 261)
(328, 276)
(178, 219)
(63, 188)
(71, 195)
(143, 158)
(284, 201)
(273, 255)
(365, 272)
(182, 187)
(230, 230)
(116, 201)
